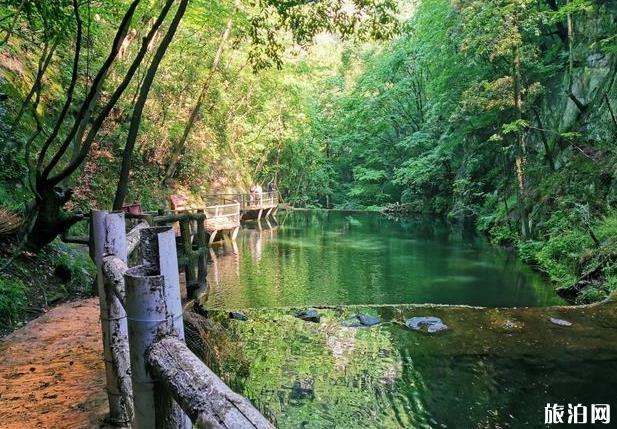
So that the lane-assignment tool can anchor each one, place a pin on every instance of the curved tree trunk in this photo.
(127, 158)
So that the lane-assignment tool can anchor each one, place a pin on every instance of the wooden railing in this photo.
(222, 217)
(256, 201)
(153, 379)
(192, 242)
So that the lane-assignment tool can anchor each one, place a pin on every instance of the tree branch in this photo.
(69, 93)
(93, 94)
(141, 101)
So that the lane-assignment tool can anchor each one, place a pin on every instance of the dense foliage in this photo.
(502, 113)
(498, 112)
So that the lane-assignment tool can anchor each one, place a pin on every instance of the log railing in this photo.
(165, 385)
(192, 242)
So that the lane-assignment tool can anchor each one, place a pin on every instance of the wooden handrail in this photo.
(201, 394)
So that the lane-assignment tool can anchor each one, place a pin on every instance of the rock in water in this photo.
(361, 320)
(309, 315)
(352, 323)
(236, 315)
(433, 324)
(560, 322)
(303, 389)
(597, 60)
(368, 320)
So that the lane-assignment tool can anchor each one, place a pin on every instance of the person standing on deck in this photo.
(252, 194)
(258, 192)
(271, 186)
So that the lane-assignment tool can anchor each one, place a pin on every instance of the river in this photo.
(492, 368)
(335, 258)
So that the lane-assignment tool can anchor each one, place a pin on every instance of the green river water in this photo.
(493, 368)
(320, 257)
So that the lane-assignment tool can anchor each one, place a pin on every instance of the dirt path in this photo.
(51, 371)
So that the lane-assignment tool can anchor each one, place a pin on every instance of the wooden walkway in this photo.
(256, 205)
(225, 211)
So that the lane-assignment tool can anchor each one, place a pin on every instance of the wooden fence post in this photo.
(202, 244)
(108, 233)
(154, 311)
(187, 246)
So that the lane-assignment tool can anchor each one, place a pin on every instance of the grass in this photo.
(33, 283)
(12, 300)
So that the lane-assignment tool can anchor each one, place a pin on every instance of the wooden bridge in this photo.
(255, 205)
(223, 212)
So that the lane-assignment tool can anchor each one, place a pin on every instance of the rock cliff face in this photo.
(581, 100)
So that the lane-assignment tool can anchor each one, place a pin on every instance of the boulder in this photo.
(309, 315)
(433, 324)
(236, 315)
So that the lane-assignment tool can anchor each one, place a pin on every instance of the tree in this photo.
(46, 215)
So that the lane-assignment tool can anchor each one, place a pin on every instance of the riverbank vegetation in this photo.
(503, 114)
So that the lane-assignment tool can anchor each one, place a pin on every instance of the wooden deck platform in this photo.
(251, 205)
(221, 219)
(225, 211)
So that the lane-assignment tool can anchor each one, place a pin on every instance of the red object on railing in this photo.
(178, 201)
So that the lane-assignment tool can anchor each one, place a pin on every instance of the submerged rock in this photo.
(511, 325)
(309, 315)
(361, 320)
(303, 389)
(352, 323)
(433, 324)
(368, 320)
(597, 59)
(560, 322)
(236, 315)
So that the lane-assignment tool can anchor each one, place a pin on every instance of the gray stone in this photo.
(361, 320)
(236, 315)
(366, 320)
(352, 323)
(597, 59)
(433, 324)
(560, 322)
(309, 315)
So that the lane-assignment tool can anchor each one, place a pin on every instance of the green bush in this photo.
(591, 294)
(77, 263)
(12, 300)
(560, 255)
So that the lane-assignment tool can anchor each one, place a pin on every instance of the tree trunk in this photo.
(127, 158)
(50, 218)
(521, 156)
(179, 146)
(10, 30)
(46, 215)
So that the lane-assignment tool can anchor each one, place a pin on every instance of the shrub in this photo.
(560, 255)
(12, 300)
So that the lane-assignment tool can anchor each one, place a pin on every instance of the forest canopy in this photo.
(499, 114)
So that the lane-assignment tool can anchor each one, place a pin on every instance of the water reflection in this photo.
(481, 373)
(330, 258)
